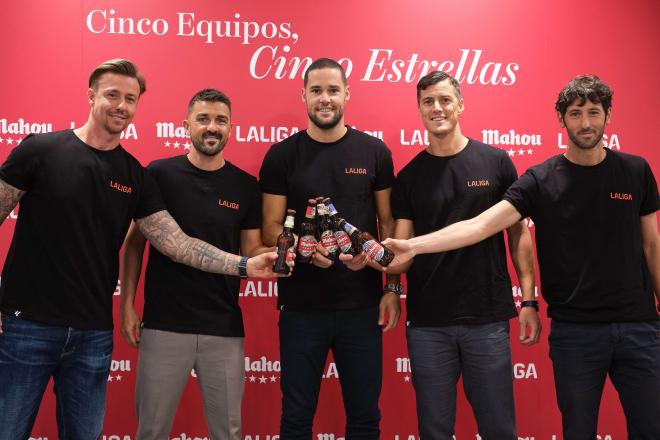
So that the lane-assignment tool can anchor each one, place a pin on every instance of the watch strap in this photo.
(530, 303)
(242, 267)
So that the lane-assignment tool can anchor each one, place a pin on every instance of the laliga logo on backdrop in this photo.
(119, 367)
(13, 215)
(260, 289)
(117, 289)
(116, 437)
(522, 371)
(184, 436)
(129, 133)
(609, 141)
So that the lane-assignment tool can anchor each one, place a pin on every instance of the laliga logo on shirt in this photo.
(611, 141)
(228, 204)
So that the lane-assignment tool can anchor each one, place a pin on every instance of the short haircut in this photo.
(584, 87)
(324, 63)
(120, 66)
(435, 77)
(209, 95)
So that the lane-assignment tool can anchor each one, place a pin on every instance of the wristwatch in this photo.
(531, 303)
(242, 267)
(397, 288)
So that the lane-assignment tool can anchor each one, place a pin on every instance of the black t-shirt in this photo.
(213, 206)
(349, 171)
(62, 264)
(588, 236)
(469, 285)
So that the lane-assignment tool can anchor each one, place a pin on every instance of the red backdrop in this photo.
(511, 56)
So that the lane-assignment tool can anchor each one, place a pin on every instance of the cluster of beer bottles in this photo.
(323, 224)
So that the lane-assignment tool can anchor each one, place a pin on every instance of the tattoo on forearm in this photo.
(9, 197)
(165, 235)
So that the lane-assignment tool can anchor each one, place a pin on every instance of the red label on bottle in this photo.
(343, 241)
(306, 245)
(328, 241)
(373, 249)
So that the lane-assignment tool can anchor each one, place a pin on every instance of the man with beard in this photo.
(599, 256)
(330, 305)
(192, 318)
(79, 190)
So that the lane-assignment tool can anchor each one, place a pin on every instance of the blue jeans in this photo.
(78, 361)
(482, 355)
(355, 339)
(584, 354)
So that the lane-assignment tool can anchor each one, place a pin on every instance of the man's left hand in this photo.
(390, 305)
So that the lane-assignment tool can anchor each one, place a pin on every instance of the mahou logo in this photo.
(402, 366)
(118, 370)
(328, 436)
(262, 370)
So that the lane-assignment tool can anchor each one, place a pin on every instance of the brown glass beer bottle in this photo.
(326, 233)
(344, 242)
(284, 242)
(307, 237)
(368, 244)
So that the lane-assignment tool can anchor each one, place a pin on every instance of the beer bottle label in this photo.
(311, 212)
(328, 241)
(343, 241)
(373, 249)
(306, 245)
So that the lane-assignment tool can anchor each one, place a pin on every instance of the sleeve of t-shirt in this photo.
(651, 201)
(401, 208)
(523, 193)
(150, 199)
(252, 219)
(509, 173)
(384, 170)
(20, 167)
(273, 173)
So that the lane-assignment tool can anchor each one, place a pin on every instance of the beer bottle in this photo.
(307, 237)
(284, 242)
(326, 233)
(344, 242)
(368, 244)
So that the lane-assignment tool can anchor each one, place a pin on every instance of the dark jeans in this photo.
(355, 339)
(584, 354)
(78, 361)
(482, 355)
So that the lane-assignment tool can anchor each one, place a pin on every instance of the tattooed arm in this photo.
(9, 197)
(165, 235)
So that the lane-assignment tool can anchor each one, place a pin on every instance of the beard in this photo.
(325, 124)
(583, 144)
(209, 150)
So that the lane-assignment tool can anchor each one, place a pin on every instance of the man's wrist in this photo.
(530, 303)
(242, 267)
(396, 288)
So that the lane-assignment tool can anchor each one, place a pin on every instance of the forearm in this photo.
(9, 197)
(131, 267)
(522, 256)
(167, 237)
(271, 231)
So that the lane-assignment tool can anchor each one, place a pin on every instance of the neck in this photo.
(326, 135)
(590, 157)
(97, 137)
(206, 163)
(448, 144)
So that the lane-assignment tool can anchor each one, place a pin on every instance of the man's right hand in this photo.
(320, 257)
(130, 326)
(403, 253)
